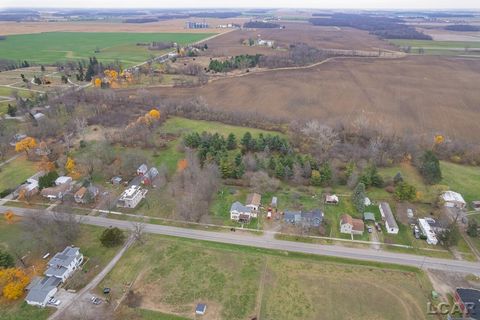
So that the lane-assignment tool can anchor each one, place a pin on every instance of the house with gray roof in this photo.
(64, 263)
(40, 290)
(60, 267)
(388, 217)
(239, 212)
(309, 219)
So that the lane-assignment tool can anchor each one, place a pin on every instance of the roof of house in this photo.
(39, 291)
(254, 199)
(62, 180)
(358, 224)
(143, 168)
(152, 173)
(385, 208)
(292, 216)
(346, 219)
(81, 192)
(368, 216)
(452, 196)
(314, 218)
(65, 257)
(93, 190)
(54, 191)
(331, 198)
(237, 206)
(470, 296)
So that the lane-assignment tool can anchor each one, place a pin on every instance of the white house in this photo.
(40, 290)
(63, 180)
(64, 263)
(428, 231)
(351, 225)
(131, 197)
(239, 212)
(60, 268)
(254, 201)
(387, 216)
(453, 200)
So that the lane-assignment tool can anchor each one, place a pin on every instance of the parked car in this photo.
(416, 232)
(369, 229)
(95, 300)
(378, 227)
(54, 301)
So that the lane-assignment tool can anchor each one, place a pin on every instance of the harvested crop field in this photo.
(417, 94)
(175, 25)
(319, 37)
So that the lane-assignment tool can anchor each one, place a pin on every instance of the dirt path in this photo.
(261, 287)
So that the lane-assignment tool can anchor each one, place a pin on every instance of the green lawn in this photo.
(463, 179)
(172, 275)
(177, 125)
(438, 47)
(51, 47)
(16, 172)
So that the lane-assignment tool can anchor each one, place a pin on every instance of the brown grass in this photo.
(415, 94)
(319, 37)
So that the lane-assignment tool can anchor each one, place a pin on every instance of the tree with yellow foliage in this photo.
(154, 113)
(70, 165)
(13, 282)
(25, 144)
(97, 82)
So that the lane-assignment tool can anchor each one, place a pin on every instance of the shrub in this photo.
(112, 237)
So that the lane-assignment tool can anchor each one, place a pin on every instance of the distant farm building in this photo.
(196, 25)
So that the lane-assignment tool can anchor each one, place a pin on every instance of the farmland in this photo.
(51, 47)
(440, 47)
(423, 94)
(172, 275)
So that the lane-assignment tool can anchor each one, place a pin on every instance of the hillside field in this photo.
(51, 47)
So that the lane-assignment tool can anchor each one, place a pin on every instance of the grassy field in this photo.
(463, 179)
(51, 47)
(16, 172)
(172, 275)
(439, 47)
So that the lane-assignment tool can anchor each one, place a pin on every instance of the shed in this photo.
(201, 309)
(62, 180)
(453, 200)
(116, 180)
(142, 169)
(368, 216)
(331, 199)
(274, 202)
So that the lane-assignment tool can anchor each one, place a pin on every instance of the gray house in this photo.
(40, 290)
(310, 219)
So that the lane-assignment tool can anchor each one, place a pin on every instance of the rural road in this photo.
(262, 242)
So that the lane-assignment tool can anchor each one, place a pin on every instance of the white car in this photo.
(54, 301)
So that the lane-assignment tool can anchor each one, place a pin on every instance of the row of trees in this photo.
(243, 61)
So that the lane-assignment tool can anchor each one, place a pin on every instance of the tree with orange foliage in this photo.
(9, 216)
(182, 165)
(25, 144)
(97, 82)
(13, 282)
(154, 113)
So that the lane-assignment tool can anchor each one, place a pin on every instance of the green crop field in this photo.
(50, 47)
(439, 47)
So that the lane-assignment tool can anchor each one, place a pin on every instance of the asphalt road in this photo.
(268, 243)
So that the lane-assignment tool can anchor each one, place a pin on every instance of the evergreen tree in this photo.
(12, 110)
(112, 237)
(472, 229)
(6, 260)
(246, 140)
(430, 168)
(316, 179)
(227, 168)
(325, 174)
(358, 197)
(279, 171)
(231, 142)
